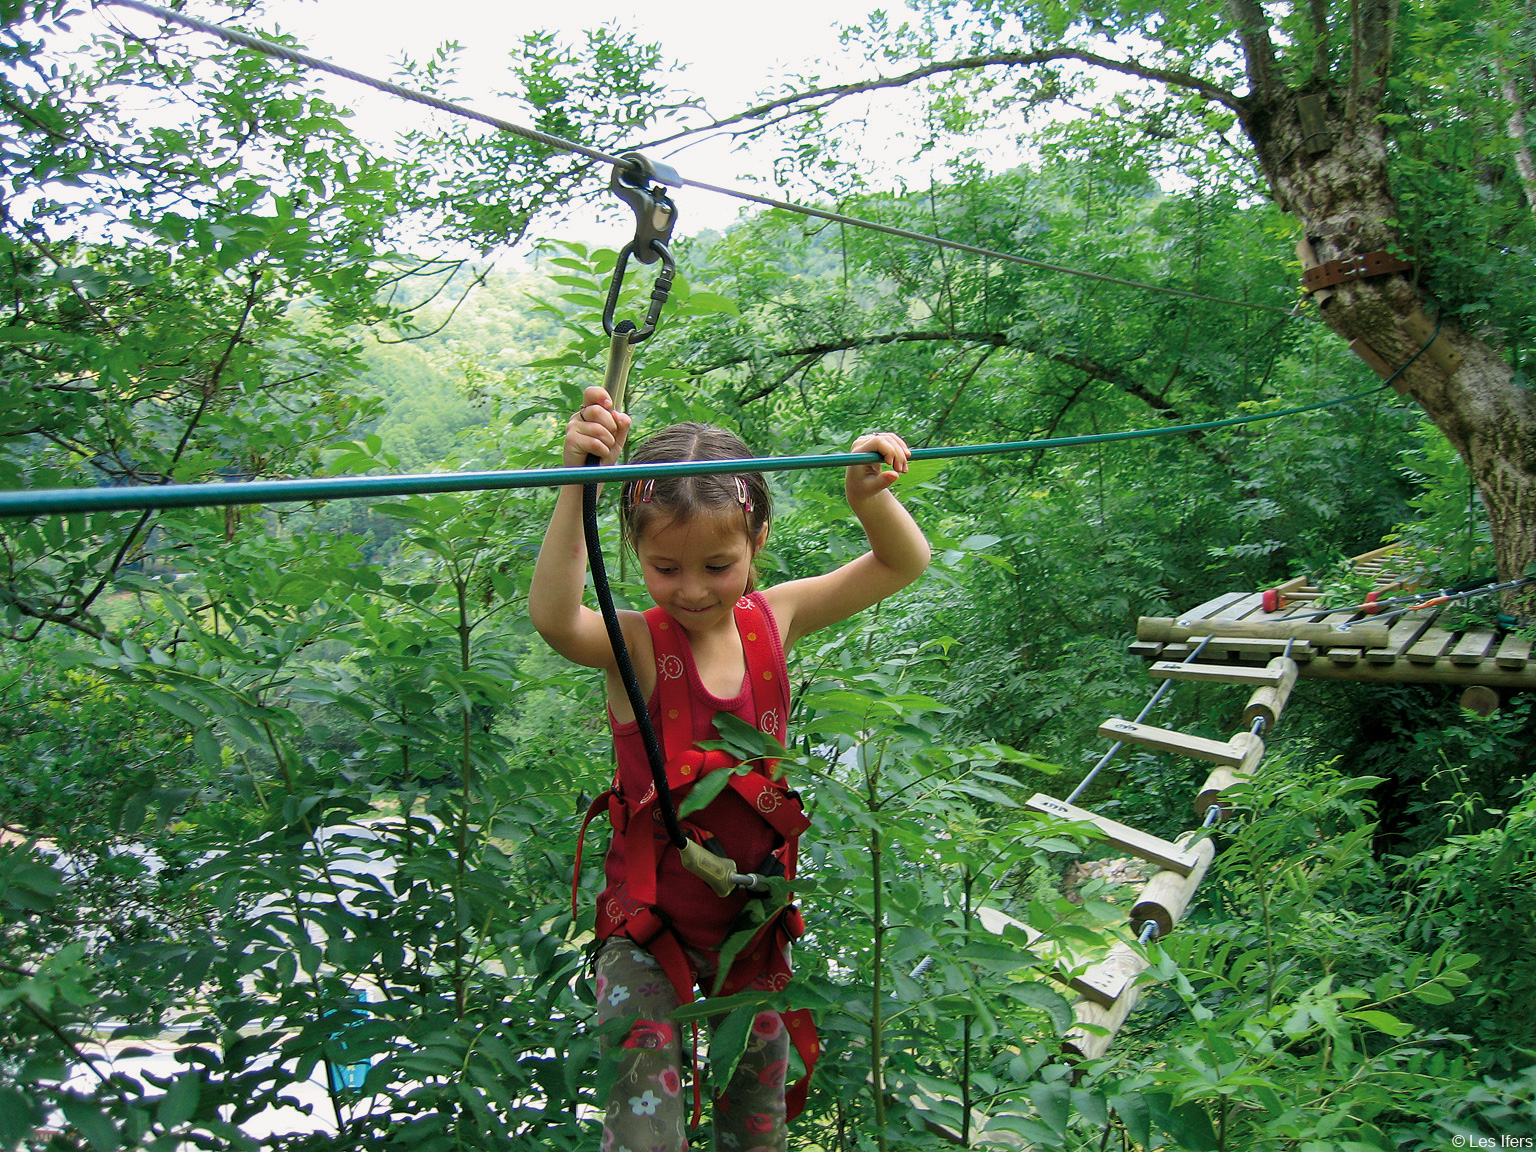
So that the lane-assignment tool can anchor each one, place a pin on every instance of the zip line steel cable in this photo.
(319, 64)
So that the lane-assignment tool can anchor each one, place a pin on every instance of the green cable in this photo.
(67, 501)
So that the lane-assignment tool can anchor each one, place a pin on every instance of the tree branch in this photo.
(1320, 34)
(43, 615)
(938, 425)
(1515, 126)
(1253, 33)
(807, 355)
(1050, 429)
(1378, 25)
(831, 94)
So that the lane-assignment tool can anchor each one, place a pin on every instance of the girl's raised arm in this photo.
(555, 595)
(898, 552)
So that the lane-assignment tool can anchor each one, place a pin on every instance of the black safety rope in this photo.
(293, 55)
(654, 216)
(637, 702)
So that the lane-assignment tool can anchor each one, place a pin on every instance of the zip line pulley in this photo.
(642, 184)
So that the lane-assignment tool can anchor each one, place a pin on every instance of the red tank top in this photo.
(698, 915)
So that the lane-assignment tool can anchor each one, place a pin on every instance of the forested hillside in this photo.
(259, 764)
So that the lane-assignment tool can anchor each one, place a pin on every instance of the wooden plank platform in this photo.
(1419, 648)
(1513, 653)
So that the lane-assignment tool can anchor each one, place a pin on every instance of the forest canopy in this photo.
(293, 789)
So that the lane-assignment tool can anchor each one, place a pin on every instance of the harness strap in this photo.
(764, 962)
(597, 805)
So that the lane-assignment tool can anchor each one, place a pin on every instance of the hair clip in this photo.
(742, 496)
(638, 492)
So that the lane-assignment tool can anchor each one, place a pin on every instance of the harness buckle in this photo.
(647, 924)
(655, 215)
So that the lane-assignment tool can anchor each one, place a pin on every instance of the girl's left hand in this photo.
(867, 480)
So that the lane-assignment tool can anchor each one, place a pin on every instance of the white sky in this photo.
(727, 54)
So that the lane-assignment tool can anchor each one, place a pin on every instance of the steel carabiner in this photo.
(655, 214)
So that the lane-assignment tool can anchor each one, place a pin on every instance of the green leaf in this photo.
(1382, 1022)
(16, 1119)
(1135, 1115)
(727, 1043)
(1189, 1124)
(1091, 1107)
(744, 741)
(712, 302)
(1052, 1101)
(85, 1116)
(176, 707)
(179, 1104)
(704, 792)
(207, 748)
(1038, 995)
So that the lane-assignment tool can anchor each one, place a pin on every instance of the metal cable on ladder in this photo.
(1114, 750)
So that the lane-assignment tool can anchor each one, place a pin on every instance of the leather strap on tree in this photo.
(1358, 267)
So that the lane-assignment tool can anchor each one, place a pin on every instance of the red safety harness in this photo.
(632, 910)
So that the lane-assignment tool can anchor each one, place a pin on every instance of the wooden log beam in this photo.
(1441, 671)
(1107, 980)
(1079, 971)
(1481, 699)
(1169, 628)
(1096, 1024)
(1212, 792)
(1268, 702)
(1165, 897)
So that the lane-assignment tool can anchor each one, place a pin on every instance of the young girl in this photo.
(712, 644)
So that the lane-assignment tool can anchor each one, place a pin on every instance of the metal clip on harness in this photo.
(655, 215)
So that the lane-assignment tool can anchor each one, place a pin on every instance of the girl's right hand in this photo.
(595, 430)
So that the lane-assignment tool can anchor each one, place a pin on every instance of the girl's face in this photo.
(698, 568)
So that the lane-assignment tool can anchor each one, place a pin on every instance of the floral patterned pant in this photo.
(648, 1109)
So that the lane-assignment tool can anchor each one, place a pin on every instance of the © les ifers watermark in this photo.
(1493, 1141)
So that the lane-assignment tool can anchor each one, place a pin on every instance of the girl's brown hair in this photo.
(683, 497)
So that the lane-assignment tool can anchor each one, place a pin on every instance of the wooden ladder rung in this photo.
(1133, 840)
(1167, 740)
(1214, 673)
(1471, 648)
(1085, 975)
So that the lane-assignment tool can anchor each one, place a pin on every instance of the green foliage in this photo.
(1474, 890)
(1296, 1014)
(278, 759)
(1449, 532)
(72, 743)
(1454, 172)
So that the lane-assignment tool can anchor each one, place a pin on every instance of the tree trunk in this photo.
(1343, 198)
